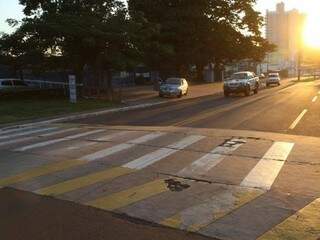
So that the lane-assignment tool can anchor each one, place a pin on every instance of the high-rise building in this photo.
(284, 29)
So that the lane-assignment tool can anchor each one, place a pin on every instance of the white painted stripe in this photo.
(15, 141)
(110, 136)
(296, 122)
(58, 132)
(212, 159)
(266, 171)
(158, 155)
(95, 141)
(120, 147)
(13, 130)
(46, 143)
(20, 134)
(315, 99)
(82, 145)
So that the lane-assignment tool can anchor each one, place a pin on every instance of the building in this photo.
(284, 29)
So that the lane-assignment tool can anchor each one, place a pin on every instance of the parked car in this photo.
(273, 78)
(174, 87)
(241, 82)
(12, 85)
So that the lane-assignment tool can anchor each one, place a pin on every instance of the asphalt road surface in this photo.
(273, 110)
(204, 168)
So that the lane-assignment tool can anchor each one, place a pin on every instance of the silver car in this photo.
(273, 78)
(174, 87)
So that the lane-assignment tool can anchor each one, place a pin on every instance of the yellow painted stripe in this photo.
(41, 171)
(130, 196)
(191, 220)
(84, 181)
(305, 224)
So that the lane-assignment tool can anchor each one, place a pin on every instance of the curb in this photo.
(83, 115)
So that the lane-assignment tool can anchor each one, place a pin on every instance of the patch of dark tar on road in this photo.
(175, 185)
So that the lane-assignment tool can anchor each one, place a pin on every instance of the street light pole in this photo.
(299, 65)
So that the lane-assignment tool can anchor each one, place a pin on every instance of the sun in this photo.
(312, 28)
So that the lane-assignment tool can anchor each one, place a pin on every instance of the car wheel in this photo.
(267, 85)
(247, 92)
(180, 95)
(279, 84)
(226, 94)
(256, 90)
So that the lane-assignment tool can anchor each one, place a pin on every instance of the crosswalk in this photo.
(109, 164)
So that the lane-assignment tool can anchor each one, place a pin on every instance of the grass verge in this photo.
(28, 108)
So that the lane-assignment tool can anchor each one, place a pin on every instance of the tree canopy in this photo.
(202, 31)
(167, 35)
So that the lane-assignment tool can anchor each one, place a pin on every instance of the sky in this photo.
(12, 9)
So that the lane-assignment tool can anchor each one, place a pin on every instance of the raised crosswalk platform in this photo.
(219, 183)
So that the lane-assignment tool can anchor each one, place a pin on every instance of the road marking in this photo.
(212, 159)
(58, 132)
(2, 132)
(158, 155)
(130, 196)
(110, 136)
(120, 147)
(40, 171)
(20, 134)
(112, 173)
(305, 224)
(296, 122)
(91, 142)
(50, 142)
(315, 99)
(15, 141)
(199, 216)
(84, 181)
(266, 171)
(63, 165)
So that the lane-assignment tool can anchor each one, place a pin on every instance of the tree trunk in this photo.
(200, 68)
(218, 72)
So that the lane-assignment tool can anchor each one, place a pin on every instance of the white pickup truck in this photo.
(241, 82)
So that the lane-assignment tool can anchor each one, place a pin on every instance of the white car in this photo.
(174, 87)
(241, 82)
(273, 78)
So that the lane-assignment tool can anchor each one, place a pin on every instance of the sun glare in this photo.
(312, 27)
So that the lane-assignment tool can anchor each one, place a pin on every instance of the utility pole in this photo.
(299, 65)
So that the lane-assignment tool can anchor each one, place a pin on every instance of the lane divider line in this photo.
(299, 118)
(315, 99)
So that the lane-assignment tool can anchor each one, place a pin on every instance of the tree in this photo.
(196, 33)
(93, 33)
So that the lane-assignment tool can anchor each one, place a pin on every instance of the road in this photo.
(273, 110)
(207, 167)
